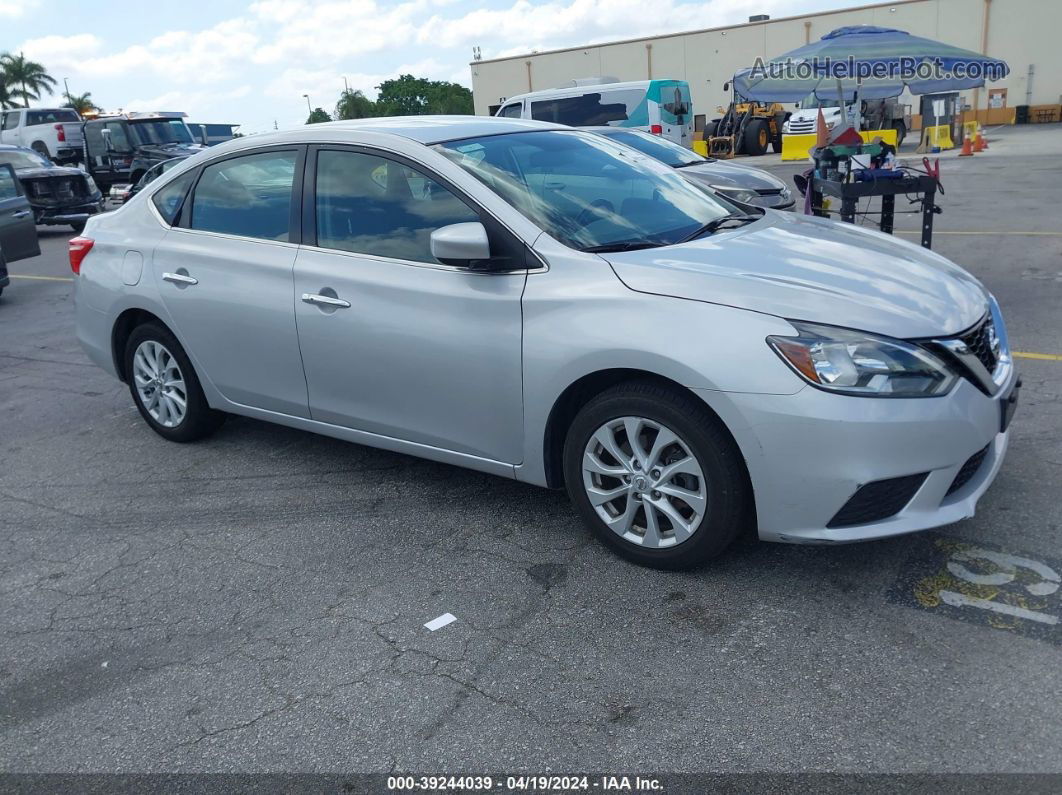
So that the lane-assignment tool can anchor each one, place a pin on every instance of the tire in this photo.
(723, 486)
(198, 419)
(776, 142)
(79, 227)
(710, 128)
(756, 137)
(901, 132)
(41, 148)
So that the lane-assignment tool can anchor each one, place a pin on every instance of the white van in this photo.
(661, 107)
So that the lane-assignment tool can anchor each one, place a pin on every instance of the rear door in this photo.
(224, 271)
(18, 233)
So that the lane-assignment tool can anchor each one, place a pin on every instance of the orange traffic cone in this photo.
(967, 147)
(982, 142)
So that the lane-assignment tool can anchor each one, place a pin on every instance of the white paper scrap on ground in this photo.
(440, 622)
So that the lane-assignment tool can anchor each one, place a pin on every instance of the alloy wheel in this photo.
(160, 384)
(644, 482)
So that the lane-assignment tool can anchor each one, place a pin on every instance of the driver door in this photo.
(18, 233)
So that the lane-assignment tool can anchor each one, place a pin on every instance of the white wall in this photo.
(1021, 32)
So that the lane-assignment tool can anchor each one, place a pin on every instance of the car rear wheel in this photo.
(165, 387)
(655, 476)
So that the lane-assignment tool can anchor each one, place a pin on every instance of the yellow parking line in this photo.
(1049, 357)
(42, 278)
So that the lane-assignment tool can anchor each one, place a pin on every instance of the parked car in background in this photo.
(660, 107)
(212, 134)
(121, 149)
(54, 132)
(58, 195)
(18, 235)
(150, 176)
(530, 300)
(735, 181)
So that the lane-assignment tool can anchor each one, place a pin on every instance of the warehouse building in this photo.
(1024, 33)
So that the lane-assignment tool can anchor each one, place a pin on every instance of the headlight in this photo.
(737, 194)
(858, 363)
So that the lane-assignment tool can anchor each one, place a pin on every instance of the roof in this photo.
(423, 129)
(591, 88)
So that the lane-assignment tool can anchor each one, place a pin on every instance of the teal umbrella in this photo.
(868, 62)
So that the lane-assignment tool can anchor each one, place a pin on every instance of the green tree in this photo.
(6, 98)
(317, 116)
(25, 79)
(407, 95)
(82, 104)
(355, 105)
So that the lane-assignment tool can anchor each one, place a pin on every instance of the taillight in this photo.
(62, 133)
(656, 129)
(79, 247)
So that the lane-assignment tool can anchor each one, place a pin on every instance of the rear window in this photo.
(35, 117)
(595, 109)
(169, 200)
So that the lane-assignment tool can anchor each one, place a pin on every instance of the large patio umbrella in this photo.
(864, 48)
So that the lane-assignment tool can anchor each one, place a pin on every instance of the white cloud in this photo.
(15, 8)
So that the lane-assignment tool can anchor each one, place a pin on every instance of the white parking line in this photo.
(962, 600)
(440, 622)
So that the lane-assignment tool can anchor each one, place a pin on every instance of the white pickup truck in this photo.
(54, 132)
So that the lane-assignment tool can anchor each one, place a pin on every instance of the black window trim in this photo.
(183, 219)
(494, 225)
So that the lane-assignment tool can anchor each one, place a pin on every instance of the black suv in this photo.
(120, 149)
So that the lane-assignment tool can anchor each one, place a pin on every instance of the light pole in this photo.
(346, 85)
(66, 85)
(308, 103)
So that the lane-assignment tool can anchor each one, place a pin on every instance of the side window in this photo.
(169, 199)
(511, 111)
(10, 120)
(119, 138)
(8, 184)
(371, 205)
(248, 196)
(587, 110)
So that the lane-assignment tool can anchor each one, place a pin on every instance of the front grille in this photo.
(58, 188)
(769, 191)
(801, 127)
(968, 470)
(879, 500)
(983, 343)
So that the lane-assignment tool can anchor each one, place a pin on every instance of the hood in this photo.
(732, 175)
(167, 151)
(806, 268)
(48, 171)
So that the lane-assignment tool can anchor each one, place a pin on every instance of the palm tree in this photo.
(6, 99)
(30, 76)
(354, 105)
(82, 104)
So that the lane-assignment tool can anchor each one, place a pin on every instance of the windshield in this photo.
(168, 131)
(812, 101)
(24, 159)
(586, 191)
(656, 147)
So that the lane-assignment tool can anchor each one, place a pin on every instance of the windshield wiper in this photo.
(718, 223)
(623, 245)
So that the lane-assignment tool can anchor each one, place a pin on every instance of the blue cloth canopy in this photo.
(880, 62)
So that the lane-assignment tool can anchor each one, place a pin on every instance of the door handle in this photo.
(325, 300)
(21, 214)
(179, 278)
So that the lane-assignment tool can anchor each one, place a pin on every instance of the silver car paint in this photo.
(581, 314)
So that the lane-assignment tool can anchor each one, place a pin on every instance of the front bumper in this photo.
(60, 216)
(809, 453)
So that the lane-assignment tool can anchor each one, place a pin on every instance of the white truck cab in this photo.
(53, 132)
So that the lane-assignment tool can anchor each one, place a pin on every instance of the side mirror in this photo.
(462, 245)
(726, 86)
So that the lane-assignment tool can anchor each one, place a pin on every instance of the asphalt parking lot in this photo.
(256, 602)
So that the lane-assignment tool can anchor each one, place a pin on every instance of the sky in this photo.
(250, 63)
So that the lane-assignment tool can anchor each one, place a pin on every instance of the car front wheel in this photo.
(656, 476)
(165, 387)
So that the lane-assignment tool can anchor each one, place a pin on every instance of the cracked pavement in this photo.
(255, 602)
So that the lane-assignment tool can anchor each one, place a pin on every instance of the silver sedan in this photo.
(544, 304)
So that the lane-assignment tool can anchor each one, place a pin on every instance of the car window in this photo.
(10, 120)
(511, 111)
(372, 205)
(119, 137)
(655, 146)
(8, 184)
(169, 199)
(249, 196)
(35, 117)
(589, 110)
